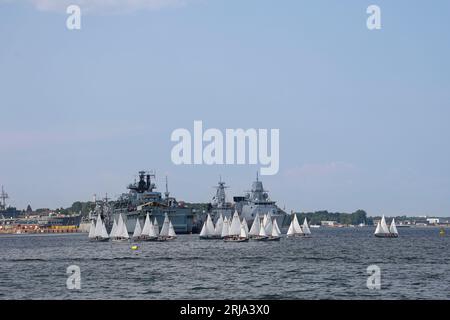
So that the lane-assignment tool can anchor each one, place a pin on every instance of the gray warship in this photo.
(219, 204)
(257, 201)
(142, 199)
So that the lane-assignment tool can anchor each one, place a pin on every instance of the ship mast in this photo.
(3, 197)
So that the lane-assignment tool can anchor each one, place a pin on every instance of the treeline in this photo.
(355, 218)
(76, 208)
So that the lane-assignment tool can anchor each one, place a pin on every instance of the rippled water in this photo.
(330, 265)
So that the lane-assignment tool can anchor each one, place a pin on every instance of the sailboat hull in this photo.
(146, 238)
(120, 240)
(259, 238)
(165, 238)
(297, 235)
(210, 237)
(235, 239)
(386, 235)
(99, 239)
(273, 239)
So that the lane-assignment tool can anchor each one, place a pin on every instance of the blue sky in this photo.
(363, 115)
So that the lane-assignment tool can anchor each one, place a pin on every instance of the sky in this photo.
(363, 114)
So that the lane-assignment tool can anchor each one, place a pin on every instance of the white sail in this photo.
(384, 227)
(114, 229)
(275, 230)
(122, 228)
(265, 220)
(165, 228)
(243, 233)
(275, 225)
(262, 230)
(98, 226)
(291, 230)
(104, 232)
(245, 224)
(219, 226)
(393, 227)
(268, 226)
(305, 227)
(171, 230)
(137, 229)
(235, 227)
(254, 230)
(156, 227)
(92, 230)
(225, 228)
(203, 233)
(147, 226)
(297, 228)
(378, 229)
(210, 230)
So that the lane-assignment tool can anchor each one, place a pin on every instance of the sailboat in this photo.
(156, 227)
(305, 228)
(245, 224)
(148, 231)
(275, 234)
(172, 234)
(383, 231)
(262, 235)
(167, 230)
(218, 228)
(254, 230)
(208, 230)
(225, 228)
(137, 230)
(114, 228)
(268, 224)
(237, 230)
(294, 228)
(98, 231)
(121, 232)
(91, 235)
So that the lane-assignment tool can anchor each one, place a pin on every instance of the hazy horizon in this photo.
(363, 115)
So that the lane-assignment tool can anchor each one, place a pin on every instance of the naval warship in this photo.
(257, 201)
(219, 204)
(142, 199)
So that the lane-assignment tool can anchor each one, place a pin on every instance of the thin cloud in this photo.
(104, 6)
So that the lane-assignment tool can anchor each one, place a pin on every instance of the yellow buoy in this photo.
(134, 247)
(442, 232)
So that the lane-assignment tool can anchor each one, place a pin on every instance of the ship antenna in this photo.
(4, 196)
(167, 188)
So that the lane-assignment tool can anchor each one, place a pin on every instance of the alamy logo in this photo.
(74, 279)
(73, 21)
(239, 145)
(374, 279)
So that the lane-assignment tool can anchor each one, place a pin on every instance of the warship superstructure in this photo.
(142, 199)
(7, 212)
(257, 202)
(219, 205)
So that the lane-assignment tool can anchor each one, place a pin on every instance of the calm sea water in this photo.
(330, 265)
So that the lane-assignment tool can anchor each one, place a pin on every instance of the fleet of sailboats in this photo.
(295, 230)
(119, 232)
(230, 230)
(209, 231)
(236, 230)
(383, 231)
(97, 231)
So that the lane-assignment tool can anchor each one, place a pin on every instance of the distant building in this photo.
(433, 220)
(328, 223)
